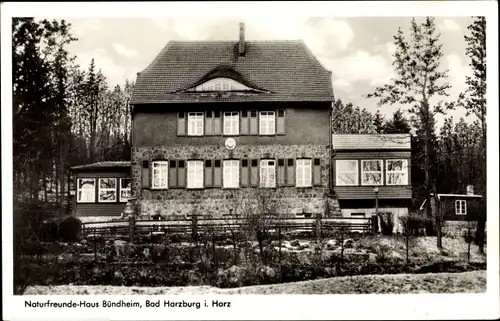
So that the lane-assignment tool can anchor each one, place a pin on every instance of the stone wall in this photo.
(217, 201)
(457, 229)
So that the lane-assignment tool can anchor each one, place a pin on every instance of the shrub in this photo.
(386, 223)
(415, 223)
(69, 229)
(49, 231)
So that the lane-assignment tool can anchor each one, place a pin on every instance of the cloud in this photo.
(327, 36)
(448, 25)
(124, 51)
(115, 74)
(342, 84)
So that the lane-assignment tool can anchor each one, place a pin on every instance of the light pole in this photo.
(375, 216)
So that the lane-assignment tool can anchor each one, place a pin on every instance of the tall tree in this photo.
(418, 80)
(397, 125)
(353, 120)
(378, 122)
(474, 100)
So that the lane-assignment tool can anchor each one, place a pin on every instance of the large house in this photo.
(215, 121)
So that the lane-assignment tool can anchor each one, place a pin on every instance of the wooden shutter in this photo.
(209, 122)
(209, 174)
(145, 175)
(181, 173)
(244, 176)
(217, 173)
(181, 124)
(254, 123)
(217, 130)
(316, 179)
(281, 173)
(254, 173)
(280, 123)
(290, 172)
(172, 174)
(244, 123)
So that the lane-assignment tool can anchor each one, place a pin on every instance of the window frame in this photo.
(404, 171)
(195, 117)
(99, 189)
(262, 180)
(381, 162)
(337, 172)
(268, 121)
(301, 169)
(124, 189)
(78, 189)
(201, 185)
(231, 121)
(461, 210)
(235, 168)
(166, 166)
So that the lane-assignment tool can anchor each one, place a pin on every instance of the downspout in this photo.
(330, 152)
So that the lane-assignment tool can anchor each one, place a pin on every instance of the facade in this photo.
(102, 190)
(371, 169)
(212, 121)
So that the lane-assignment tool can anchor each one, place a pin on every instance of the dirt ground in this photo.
(467, 282)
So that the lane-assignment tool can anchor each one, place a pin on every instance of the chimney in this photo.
(241, 45)
(470, 189)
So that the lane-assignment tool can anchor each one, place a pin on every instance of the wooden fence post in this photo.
(318, 226)
(131, 228)
(194, 227)
(374, 222)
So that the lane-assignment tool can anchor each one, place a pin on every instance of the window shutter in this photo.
(254, 173)
(145, 174)
(181, 174)
(172, 174)
(244, 123)
(254, 123)
(281, 172)
(209, 122)
(244, 176)
(317, 172)
(217, 173)
(209, 179)
(290, 172)
(181, 124)
(280, 127)
(217, 123)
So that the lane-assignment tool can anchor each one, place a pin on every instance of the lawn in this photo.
(466, 282)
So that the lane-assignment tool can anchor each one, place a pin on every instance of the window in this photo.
(303, 173)
(460, 207)
(195, 124)
(107, 190)
(347, 172)
(160, 174)
(86, 190)
(125, 190)
(267, 173)
(396, 172)
(231, 173)
(195, 174)
(267, 123)
(231, 123)
(371, 172)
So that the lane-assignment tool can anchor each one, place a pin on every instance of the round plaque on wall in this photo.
(230, 143)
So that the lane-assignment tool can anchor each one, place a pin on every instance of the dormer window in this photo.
(220, 84)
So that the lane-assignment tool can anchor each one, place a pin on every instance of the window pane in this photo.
(303, 173)
(231, 123)
(86, 190)
(371, 172)
(107, 189)
(397, 172)
(195, 124)
(231, 173)
(195, 174)
(160, 174)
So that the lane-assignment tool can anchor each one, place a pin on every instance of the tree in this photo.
(417, 83)
(474, 101)
(378, 122)
(397, 125)
(353, 120)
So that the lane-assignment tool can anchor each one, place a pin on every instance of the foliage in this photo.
(353, 121)
(414, 223)
(69, 229)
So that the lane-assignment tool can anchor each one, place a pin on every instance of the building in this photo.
(372, 173)
(102, 190)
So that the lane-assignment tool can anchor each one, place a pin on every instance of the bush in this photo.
(70, 229)
(415, 223)
(49, 231)
(386, 223)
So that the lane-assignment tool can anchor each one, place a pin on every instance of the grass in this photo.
(467, 282)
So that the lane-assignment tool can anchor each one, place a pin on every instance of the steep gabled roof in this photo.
(375, 141)
(282, 70)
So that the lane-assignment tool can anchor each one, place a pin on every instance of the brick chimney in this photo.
(470, 189)
(241, 44)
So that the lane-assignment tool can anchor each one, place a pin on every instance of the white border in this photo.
(337, 172)
(124, 200)
(381, 161)
(459, 306)
(405, 165)
(106, 189)
(78, 190)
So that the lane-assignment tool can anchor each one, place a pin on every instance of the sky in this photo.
(358, 51)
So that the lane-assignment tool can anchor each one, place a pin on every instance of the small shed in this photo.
(101, 190)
